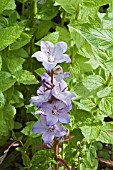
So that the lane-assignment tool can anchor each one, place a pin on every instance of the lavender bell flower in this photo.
(51, 54)
(56, 111)
(44, 95)
(60, 92)
(48, 132)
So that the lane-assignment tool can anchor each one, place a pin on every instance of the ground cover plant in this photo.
(56, 73)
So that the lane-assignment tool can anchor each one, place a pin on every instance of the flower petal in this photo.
(47, 47)
(60, 48)
(47, 137)
(39, 128)
(64, 118)
(48, 66)
(51, 119)
(62, 58)
(60, 131)
(40, 56)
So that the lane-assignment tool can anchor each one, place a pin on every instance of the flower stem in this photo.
(56, 153)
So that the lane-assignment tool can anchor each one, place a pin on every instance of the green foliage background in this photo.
(87, 27)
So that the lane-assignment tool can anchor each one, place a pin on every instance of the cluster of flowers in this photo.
(53, 96)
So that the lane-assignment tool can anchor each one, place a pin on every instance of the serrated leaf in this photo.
(22, 41)
(109, 65)
(106, 106)
(93, 3)
(3, 4)
(104, 92)
(9, 35)
(68, 6)
(95, 36)
(6, 81)
(92, 82)
(25, 77)
(17, 99)
(14, 64)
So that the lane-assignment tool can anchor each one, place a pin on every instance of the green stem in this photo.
(109, 80)
(23, 9)
(34, 12)
(63, 19)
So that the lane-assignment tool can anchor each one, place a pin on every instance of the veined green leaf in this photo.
(14, 64)
(11, 5)
(9, 35)
(93, 3)
(9, 112)
(68, 6)
(25, 77)
(92, 82)
(2, 100)
(6, 80)
(3, 4)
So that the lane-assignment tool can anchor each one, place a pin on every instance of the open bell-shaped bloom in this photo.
(51, 54)
(56, 111)
(60, 92)
(48, 132)
(43, 95)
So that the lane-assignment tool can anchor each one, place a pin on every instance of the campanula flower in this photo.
(56, 111)
(48, 132)
(60, 92)
(51, 54)
(43, 95)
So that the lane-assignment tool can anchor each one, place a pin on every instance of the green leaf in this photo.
(11, 5)
(86, 104)
(0, 63)
(68, 6)
(2, 100)
(93, 82)
(109, 65)
(93, 3)
(9, 35)
(25, 77)
(26, 160)
(17, 99)
(22, 41)
(53, 37)
(6, 80)
(95, 36)
(104, 92)
(14, 64)
(9, 112)
(106, 106)
(3, 4)
(28, 130)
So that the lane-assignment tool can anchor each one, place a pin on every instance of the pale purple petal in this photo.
(62, 58)
(40, 56)
(48, 137)
(39, 128)
(39, 112)
(60, 48)
(47, 47)
(51, 119)
(64, 118)
(60, 131)
(47, 107)
(48, 65)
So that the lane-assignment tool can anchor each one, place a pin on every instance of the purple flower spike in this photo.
(48, 132)
(56, 111)
(51, 54)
